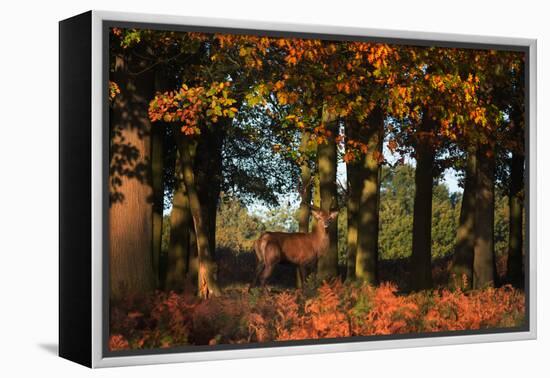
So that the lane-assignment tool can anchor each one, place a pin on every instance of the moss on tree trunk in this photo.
(353, 183)
(207, 269)
(327, 266)
(305, 194)
(180, 223)
(366, 263)
(463, 259)
(484, 254)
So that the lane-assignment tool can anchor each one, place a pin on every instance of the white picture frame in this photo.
(98, 358)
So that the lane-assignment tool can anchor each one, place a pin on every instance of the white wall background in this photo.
(28, 191)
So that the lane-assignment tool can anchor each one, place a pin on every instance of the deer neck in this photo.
(320, 238)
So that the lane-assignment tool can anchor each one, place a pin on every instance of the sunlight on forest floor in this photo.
(327, 310)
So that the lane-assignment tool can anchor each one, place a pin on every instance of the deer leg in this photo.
(302, 272)
(259, 268)
(272, 256)
(266, 273)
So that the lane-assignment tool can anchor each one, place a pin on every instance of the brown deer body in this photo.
(298, 248)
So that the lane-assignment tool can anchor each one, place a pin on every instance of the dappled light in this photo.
(271, 189)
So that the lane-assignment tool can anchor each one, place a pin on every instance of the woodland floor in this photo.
(237, 270)
(332, 309)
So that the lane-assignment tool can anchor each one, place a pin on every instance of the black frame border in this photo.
(75, 189)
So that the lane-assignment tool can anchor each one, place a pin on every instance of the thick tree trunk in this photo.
(354, 181)
(515, 246)
(305, 195)
(463, 259)
(306, 184)
(421, 258)
(304, 211)
(163, 82)
(180, 223)
(131, 206)
(208, 168)
(316, 194)
(515, 263)
(192, 258)
(353, 192)
(327, 266)
(207, 269)
(158, 196)
(484, 255)
(366, 265)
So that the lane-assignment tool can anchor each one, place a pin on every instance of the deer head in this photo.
(325, 218)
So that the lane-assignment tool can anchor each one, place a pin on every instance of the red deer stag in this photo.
(297, 248)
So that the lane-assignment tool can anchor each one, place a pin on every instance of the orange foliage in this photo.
(479, 309)
(118, 342)
(333, 310)
(114, 90)
(190, 106)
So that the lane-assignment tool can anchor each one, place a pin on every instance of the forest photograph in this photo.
(275, 190)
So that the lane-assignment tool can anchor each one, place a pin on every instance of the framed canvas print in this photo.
(236, 189)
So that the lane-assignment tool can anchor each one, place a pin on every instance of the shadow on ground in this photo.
(238, 269)
(51, 348)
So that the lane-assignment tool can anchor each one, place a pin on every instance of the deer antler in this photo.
(313, 207)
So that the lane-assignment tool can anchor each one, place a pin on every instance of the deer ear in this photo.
(333, 214)
(316, 213)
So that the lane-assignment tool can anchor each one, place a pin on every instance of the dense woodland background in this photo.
(210, 128)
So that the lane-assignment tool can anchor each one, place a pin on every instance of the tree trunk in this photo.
(158, 196)
(354, 181)
(131, 207)
(515, 246)
(305, 195)
(316, 194)
(208, 168)
(353, 193)
(192, 276)
(327, 266)
(515, 274)
(421, 258)
(163, 82)
(366, 263)
(484, 254)
(463, 259)
(192, 258)
(180, 223)
(207, 269)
